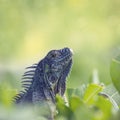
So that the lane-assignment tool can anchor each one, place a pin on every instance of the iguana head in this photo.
(59, 57)
(58, 63)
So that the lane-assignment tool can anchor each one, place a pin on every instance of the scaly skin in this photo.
(47, 78)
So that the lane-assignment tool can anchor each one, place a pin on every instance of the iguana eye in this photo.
(53, 55)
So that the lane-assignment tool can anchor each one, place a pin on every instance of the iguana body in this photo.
(47, 78)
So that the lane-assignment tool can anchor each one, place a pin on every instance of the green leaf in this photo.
(115, 72)
(113, 95)
(76, 92)
(63, 110)
(104, 106)
(91, 91)
(79, 109)
(75, 103)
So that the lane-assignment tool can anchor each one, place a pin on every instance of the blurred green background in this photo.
(30, 28)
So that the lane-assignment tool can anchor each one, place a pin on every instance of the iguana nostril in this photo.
(66, 50)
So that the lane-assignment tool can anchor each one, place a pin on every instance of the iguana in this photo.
(47, 78)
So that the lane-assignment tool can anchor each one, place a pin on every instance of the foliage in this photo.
(112, 94)
(88, 102)
(29, 29)
(115, 74)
